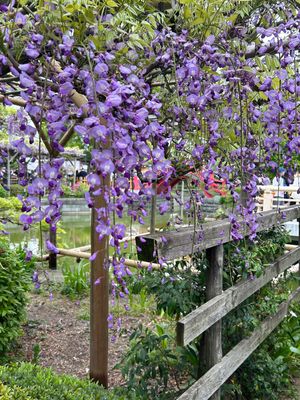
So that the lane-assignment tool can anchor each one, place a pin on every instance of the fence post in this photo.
(52, 256)
(212, 343)
(153, 209)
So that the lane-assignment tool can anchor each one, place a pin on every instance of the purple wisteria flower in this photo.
(222, 120)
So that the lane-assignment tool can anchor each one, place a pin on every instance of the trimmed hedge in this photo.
(16, 393)
(14, 283)
(37, 383)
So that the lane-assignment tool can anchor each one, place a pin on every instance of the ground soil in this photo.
(57, 330)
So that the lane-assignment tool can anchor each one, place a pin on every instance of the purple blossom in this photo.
(101, 70)
(198, 152)
(51, 247)
(66, 89)
(20, 19)
(93, 180)
(102, 86)
(164, 207)
(32, 51)
(113, 100)
(192, 100)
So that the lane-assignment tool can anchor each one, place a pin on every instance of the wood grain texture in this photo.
(185, 241)
(212, 344)
(210, 382)
(195, 323)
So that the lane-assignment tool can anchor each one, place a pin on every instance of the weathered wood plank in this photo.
(207, 385)
(212, 344)
(193, 324)
(184, 241)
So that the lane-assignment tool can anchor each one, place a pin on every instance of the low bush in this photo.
(3, 192)
(178, 289)
(16, 189)
(78, 191)
(14, 282)
(38, 383)
(153, 366)
(15, 393)
(10, 209)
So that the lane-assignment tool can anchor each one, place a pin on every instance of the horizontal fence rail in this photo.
(210, 382)
(199, 320)
(185, 241)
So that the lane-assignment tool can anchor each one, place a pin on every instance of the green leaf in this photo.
(187, 12)
(111, 3)
(160, 330)
(295, 350)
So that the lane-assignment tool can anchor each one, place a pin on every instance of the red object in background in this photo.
(217, 186)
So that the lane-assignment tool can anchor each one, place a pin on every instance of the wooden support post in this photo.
(212, 343)
(8, 170)
(99, 299)
(267, 201)
(153, 209)
(182, 200)
(74, 172)
(52, 256)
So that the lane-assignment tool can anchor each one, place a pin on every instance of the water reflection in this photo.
(74, 231)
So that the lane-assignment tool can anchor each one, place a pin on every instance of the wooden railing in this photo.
(268, 197)
(208, 317)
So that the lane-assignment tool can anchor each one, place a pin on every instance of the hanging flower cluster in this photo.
(178, 105)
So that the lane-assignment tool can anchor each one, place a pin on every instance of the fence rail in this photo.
(207, 319)
(210, 382)
(195, 323)
(182, 242)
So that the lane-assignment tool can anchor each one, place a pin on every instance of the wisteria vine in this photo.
(176, 106)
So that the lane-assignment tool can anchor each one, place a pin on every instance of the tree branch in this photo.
(17, 101)
(43, 136)
(67, 136)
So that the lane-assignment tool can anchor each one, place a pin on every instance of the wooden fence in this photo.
(207, 318)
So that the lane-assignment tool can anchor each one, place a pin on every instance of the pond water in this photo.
(75, 231)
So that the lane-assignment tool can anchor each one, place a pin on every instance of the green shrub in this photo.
(16, 189)
(77, 192)
(3, 192)
(44, 384)
(14, 282)
(152, 362)
(10, 209)
(15, 393)
(177, 289)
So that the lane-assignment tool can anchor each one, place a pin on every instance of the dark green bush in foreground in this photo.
(14, 283)
(27, 381)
